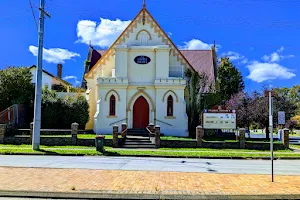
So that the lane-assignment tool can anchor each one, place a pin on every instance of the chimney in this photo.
(59, 70)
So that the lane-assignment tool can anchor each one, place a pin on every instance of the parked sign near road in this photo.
(281, 117)
(219, 118)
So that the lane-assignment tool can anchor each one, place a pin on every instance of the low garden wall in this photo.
(219, 145)
(54, 141)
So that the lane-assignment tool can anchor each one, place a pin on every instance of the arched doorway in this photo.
(140, 113)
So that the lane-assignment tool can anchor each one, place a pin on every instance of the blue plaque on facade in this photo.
(142, 60)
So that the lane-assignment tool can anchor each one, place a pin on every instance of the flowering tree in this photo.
(240, 103)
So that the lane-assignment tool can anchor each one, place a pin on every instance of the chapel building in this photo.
(141, 79)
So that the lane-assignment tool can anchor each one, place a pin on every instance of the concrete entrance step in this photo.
(137, 141)
(139, 146)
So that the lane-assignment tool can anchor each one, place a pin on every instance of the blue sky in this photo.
(261, 37)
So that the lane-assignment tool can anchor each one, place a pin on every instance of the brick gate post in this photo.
(199, 135)
(115, 135)
(242, 138)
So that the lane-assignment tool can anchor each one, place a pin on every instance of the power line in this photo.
(34, 18)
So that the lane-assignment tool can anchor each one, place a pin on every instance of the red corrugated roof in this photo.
(201, 61)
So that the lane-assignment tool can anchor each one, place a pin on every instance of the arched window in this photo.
(143, 37)
(170, 106)
(112, 105)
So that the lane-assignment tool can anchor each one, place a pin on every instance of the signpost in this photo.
(271, 131)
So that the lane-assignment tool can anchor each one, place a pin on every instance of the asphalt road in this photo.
(284, 167)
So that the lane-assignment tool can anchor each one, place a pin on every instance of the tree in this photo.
(15, 86)
(258, 108)
(297, 118)
(291, 124)
(229, 78)
(240, 102)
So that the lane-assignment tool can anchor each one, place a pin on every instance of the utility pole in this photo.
(38, 82)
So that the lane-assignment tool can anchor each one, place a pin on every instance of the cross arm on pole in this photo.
(45, 13)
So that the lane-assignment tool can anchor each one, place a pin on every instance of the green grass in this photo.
(168, 152)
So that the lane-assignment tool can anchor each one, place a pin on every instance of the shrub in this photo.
(10, 131)
(58, 113)
(59, 88)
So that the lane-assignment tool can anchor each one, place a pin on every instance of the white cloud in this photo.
(233, 55)
(54, 55)
(195, 44)
(281, 49)
(74, 78)
(276, 56)
(103, 34)
(260, 72)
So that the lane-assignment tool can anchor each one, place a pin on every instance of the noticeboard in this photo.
(219, 119)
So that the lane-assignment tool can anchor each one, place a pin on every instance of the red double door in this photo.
(140, 113)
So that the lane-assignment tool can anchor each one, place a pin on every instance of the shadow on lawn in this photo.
(109, 153)
(48, 152)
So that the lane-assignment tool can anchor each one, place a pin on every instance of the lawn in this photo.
(165, 152)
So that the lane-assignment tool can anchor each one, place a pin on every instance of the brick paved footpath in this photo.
(142, 184)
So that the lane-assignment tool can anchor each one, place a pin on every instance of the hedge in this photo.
(58, 113)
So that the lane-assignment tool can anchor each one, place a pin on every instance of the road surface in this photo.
(284, 167)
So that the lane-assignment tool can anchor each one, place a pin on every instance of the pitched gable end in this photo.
(144, 18)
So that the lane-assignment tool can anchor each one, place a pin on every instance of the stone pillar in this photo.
(115, 136)
(2, 131)
(199, 135)
(285, 138)
(74, 132)
(124, 127)
(157, 136)
(242, 138)
(151, 127)
(31, 131)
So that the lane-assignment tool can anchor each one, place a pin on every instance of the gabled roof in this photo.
(200, 60)
(46, 72)
(143, 12)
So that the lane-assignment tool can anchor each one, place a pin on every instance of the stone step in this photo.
(152, 146)
(138, 142)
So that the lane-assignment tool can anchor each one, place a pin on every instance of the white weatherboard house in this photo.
(140, 79)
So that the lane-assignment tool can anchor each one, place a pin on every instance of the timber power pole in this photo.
(38, 82)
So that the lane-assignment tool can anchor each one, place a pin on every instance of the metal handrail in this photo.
(150, 133)
(7, 109)
(124, 131)
(117, 121)
(163, 122)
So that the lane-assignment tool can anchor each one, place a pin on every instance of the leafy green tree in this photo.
(230, 79)
(258, 108)
(199, 95)
(15, 86)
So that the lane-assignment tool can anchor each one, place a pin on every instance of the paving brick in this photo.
(144, 182)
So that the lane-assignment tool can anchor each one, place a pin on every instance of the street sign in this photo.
(281, 117)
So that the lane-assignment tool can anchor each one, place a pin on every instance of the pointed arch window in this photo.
(143, 37)
(170, 106)
(112, 105)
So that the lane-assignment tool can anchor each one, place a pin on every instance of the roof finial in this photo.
(144, 3)
(215, 43)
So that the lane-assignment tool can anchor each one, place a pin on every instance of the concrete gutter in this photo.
(128, 195)
(160, 156)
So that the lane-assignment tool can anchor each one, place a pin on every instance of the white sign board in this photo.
(281, 117)
(219, 120)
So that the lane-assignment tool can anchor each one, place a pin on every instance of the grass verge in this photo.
(163, 152)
